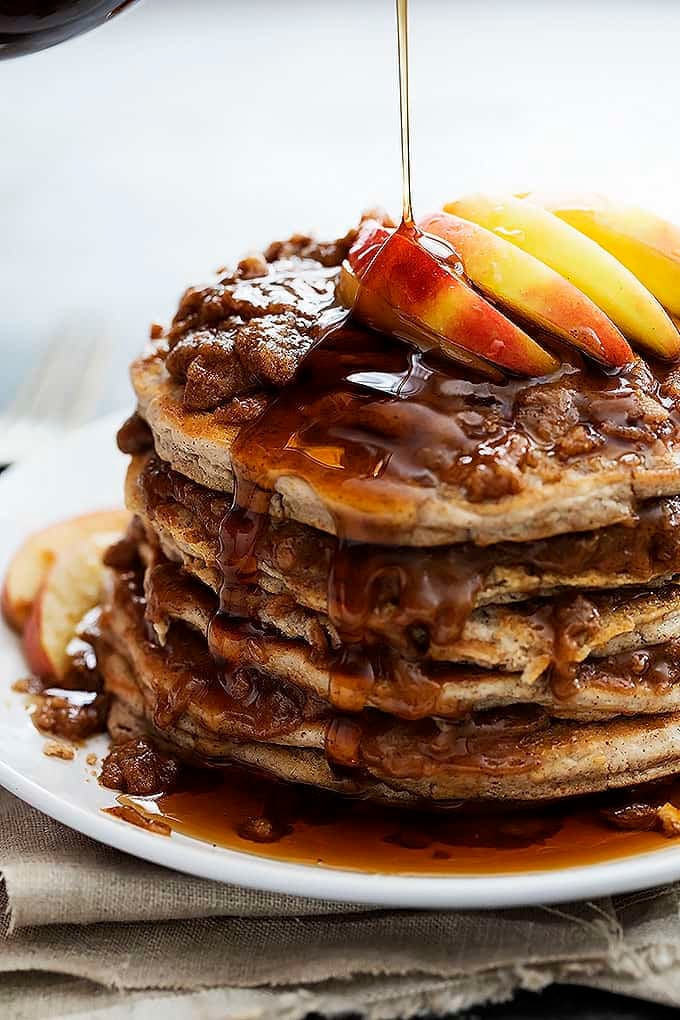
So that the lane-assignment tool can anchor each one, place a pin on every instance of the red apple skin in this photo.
(370, 239)
(397, 272)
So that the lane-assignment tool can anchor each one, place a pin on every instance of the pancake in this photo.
(630, 675)
(516, 639)
(492, 636)
(422, 505)
(520, 754)
(523, 637)
(291, 557)
(296, 765)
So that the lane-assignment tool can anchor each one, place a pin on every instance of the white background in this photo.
(138, 158)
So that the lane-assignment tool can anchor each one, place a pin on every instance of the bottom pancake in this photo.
(215, 713)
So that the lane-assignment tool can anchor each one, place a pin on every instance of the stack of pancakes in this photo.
(360, 566)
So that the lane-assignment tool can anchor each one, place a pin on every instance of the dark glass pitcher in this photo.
(30, 25)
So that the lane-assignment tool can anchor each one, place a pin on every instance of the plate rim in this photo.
(339, 885)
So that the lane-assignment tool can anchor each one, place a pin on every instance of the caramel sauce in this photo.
(127, 813)
(240, 700)
(369, 675)
(373, 426)
(363, 675)
(242, 810)
(419, 598)
(414, 598)
(654, 666)
(570, 622)
(494, 742)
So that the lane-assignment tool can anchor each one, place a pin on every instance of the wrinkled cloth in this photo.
(90, 932)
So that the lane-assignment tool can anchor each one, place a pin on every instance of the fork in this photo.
(60, 392)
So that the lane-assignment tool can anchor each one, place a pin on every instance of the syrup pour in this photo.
(404, 112)
(408, 236)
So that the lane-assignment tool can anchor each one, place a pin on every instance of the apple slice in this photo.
(580, 260)
(641, 241)
(531, 289)
(71, 588)
(408, 289)
(30, 564)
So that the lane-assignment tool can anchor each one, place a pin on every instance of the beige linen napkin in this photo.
(90, 932)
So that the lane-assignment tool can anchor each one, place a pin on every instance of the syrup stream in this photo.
(402, 47)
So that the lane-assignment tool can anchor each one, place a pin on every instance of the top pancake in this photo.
(373, 441)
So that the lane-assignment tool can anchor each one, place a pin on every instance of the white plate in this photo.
(84, 472)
